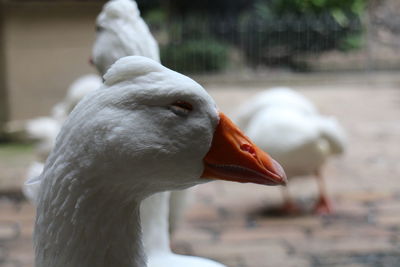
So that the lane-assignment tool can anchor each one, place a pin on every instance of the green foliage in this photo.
(340, 10)
(276, 31)
(193, 27)
(192, 46)
(14, 149)
(352, 42)
(315, 6)
(272, 32)
(156, 17)
(202, 55)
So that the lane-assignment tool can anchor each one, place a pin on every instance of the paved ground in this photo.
(233, 223)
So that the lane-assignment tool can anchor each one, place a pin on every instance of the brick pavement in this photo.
(233, 223)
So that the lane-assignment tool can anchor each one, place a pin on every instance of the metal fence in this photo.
(295, 42)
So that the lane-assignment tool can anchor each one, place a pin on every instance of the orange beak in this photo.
(233, 157)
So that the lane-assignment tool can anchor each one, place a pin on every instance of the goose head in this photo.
(162, 128)
(120, 31)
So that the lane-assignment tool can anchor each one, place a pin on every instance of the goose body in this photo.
(302, 140)
(124, 142)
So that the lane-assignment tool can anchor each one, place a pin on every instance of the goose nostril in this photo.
(249, 149)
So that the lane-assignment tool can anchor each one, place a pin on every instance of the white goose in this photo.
(289, 126)
(126, 141)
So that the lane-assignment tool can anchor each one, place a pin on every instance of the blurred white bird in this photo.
(288, 125)
(121, 32)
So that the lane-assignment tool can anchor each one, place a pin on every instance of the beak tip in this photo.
(282, 181)
(280, 172)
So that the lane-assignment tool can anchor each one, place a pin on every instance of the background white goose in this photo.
(121, 32)
(123, 142)
(288, 125)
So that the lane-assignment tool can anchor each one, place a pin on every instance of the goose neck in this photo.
(87, 227)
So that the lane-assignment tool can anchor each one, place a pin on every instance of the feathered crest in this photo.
(130, 67)
(123, 9)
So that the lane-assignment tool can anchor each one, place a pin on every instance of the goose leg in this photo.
(289, 207)
(323, 205)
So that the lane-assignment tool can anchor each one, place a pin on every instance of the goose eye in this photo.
(99, 28)
(181, 107)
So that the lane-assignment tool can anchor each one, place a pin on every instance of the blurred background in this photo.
(344, 55)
